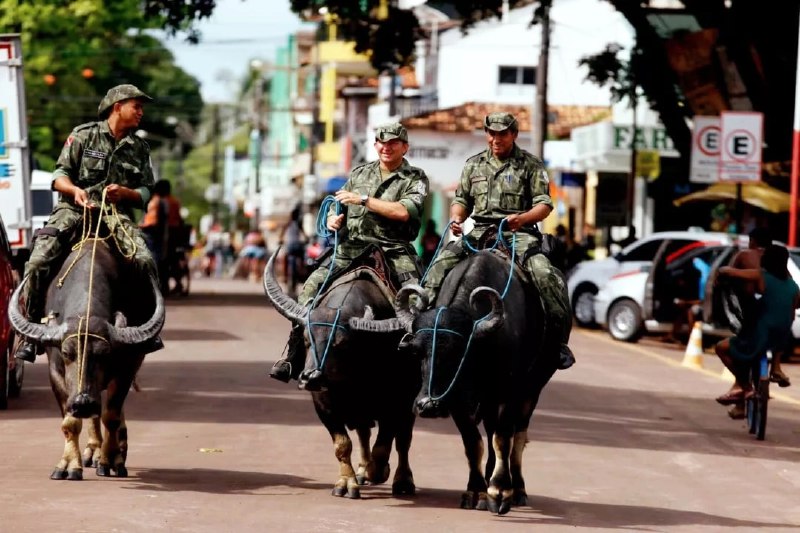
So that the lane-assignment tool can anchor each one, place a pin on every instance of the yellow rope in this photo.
(116, 221)
(86, 235)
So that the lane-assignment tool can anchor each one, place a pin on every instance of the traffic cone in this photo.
(693, 357)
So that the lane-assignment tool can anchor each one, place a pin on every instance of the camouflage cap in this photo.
(392, 130)
(500, 121)
(118, 94)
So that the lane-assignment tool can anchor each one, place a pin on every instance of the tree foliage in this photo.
(75, 50)
(392, 39)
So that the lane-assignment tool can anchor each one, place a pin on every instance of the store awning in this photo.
(757, 194)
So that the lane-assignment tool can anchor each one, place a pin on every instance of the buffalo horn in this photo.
(286, 306)
(42, 333)
(148, 330)
(494, 319)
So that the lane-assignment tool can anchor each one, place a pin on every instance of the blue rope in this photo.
(436, 329)
(323, 231)
(436, 253)
(433, 357)
(497, 241)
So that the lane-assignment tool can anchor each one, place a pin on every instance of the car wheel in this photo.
(4, 380)
(583, 306)
(625, 321)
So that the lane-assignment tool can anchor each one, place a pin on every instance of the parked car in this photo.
(646, 301)
(587, 278)
(11, 369)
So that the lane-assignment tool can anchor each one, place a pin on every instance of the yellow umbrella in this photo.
(757, 194)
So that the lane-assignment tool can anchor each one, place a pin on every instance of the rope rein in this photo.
(436, 328)
(86, 236)
(323, 231)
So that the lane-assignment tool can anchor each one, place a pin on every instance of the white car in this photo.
(643, 301)
(587, 278)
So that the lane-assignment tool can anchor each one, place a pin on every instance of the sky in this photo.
(238, 31)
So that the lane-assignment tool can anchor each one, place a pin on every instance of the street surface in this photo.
(627, 439)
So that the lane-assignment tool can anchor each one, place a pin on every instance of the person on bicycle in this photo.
(507, 184)
(97, 157)
(383, 202)
(772, 329)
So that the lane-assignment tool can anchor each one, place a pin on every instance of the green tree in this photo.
(74, 50)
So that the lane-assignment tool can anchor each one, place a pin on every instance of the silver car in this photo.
(587, 278)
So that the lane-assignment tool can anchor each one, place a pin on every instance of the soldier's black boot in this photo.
(27, 351)
(566, 357)
(290, 367)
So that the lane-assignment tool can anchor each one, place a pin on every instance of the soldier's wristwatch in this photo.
(364, 198)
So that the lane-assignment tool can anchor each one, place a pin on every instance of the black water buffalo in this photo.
(367, 381)
(483, 360)
(92, 348)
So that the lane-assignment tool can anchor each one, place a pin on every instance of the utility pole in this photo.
(539, 123)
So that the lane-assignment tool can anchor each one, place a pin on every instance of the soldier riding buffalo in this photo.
(99, 311)
(357, 377)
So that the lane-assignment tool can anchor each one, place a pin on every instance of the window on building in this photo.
(518, 75)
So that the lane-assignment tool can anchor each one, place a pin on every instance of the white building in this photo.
(496, 61)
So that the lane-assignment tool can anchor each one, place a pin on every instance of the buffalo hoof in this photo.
(87, 462)
(361, 479)
(58, 474)
(103, 470)
(378, 475)
(343, 492)
(74, 475)
(520, 498)
(404, 487)
(121, 471)
(483, 503)
(499, 508)
(467, 500)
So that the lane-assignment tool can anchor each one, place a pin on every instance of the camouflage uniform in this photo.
(92, 159)
(407, 185)
(491, 190)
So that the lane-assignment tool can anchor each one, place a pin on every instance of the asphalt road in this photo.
(627, 439)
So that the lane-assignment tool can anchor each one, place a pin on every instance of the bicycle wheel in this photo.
(751, 408)
(763, 402)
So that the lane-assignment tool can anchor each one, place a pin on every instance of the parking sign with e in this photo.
(740, 158)
(706, 148)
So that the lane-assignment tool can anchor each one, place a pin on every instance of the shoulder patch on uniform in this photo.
(475, 157)
(545, 176)
(359, 167)
(84, 126)
(69, 140)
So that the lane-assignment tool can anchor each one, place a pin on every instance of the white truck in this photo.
(15, 157)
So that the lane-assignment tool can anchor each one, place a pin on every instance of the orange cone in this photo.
(693, 357)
